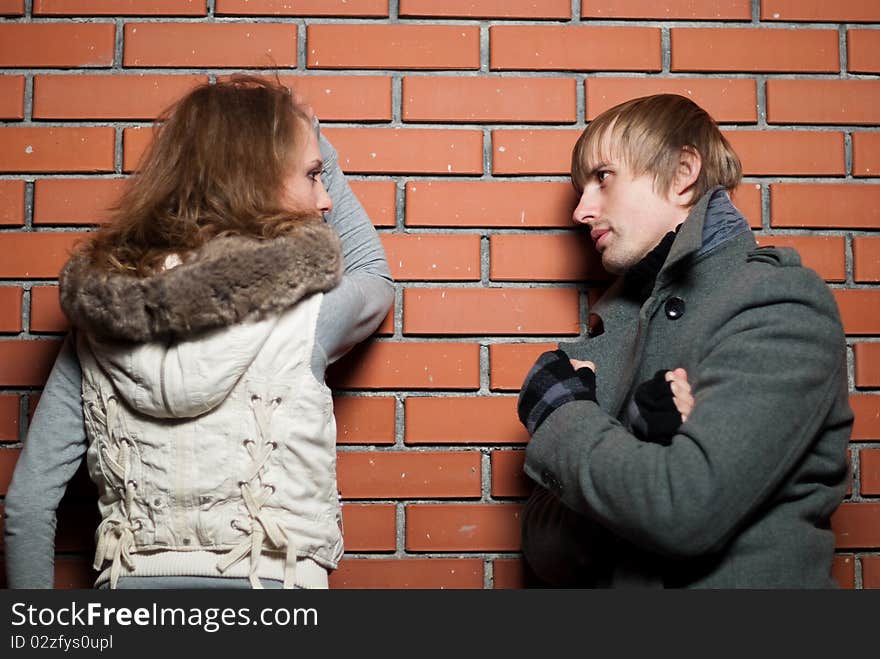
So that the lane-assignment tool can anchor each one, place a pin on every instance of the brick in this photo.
(866, 259)
(74, 573)
(345, 98)
(11, 97)
(754, 49)
(10, 309)
(46, 314)
(35, 255)
(788, 152)
(816, 11)
(463, 527)
(533, 151)
(409, 475)
(866, 154)
(8, 457)
(544, 10)
(496, 100)
(566, 257)
(399, 573)
(369, 527)
(12, 203)
(871, 572)
(363, 420)
(79, 201)
(867, 364)
(490, 311)
(210, 44)
(56, 149)
(732, 100)
(863, 51)
(508, 478)
(408, 365)
(829, 205)
(529, 204)
(509, 363)
(866, 409)
(508, 573)
(9, 406)
(26, 363)
(134, 144)
(869, 471)
(378, 199)
(56, 44)
(859, 310)
(715, 10)
(387, 326)
(11, 7)
(574, 48)
(367, 8)
(463, 420)
(857, 525)
(408, 150)
(361, 46)
(747, 198)
(823, 102)
(843, 570)
(433, 257)
(824, 254)
(108, 96)
(120, 7)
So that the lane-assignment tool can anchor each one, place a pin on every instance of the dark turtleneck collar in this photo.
(641, 276)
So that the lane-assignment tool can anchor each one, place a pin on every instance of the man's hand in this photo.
(577, 363)
(681, 392)
(552, 382)
(664, 402)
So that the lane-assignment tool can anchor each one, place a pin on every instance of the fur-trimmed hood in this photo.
(174, 344)
(229, 280)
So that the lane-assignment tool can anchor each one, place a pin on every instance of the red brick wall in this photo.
(455, 120)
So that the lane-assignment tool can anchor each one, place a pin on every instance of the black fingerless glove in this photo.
(654, 401)
(551, 383)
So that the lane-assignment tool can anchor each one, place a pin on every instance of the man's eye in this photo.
(315, 174)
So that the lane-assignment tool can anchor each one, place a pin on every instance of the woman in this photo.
(208, 310)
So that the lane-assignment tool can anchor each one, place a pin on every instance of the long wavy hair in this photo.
(215, 167)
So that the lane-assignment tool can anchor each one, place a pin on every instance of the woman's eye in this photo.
(601, 175)
(315, 175)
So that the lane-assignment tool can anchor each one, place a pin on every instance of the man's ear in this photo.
(689, 166)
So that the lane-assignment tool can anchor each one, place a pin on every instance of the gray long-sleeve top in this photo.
(56, 440)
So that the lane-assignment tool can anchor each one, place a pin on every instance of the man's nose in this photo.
(586, 210)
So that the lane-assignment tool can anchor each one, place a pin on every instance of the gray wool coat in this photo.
(743, 494)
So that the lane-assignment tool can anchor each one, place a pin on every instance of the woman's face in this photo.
(303, 189)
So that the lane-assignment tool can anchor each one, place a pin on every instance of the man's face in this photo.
(626, 216)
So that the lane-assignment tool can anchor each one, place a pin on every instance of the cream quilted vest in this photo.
(227, 468)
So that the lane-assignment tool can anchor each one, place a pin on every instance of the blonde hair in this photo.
(216, 167)
(649, 134)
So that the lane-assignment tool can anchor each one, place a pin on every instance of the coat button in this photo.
(674, 308)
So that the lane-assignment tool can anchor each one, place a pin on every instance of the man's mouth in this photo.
(598, 236)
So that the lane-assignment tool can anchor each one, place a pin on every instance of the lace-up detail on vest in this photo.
(255, 492)
(115, 536)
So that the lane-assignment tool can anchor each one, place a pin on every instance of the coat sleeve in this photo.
(762, 390)
(53, 450)
(356, 307)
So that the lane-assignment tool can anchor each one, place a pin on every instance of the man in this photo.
(737, 491)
